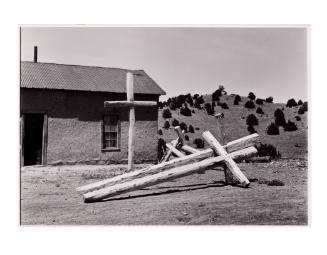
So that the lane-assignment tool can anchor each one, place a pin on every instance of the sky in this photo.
(264, 60)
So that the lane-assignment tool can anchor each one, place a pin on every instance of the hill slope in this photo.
(290, 144)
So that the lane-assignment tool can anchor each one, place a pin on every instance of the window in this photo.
(110, 132)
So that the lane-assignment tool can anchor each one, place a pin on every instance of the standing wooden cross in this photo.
(131, 104)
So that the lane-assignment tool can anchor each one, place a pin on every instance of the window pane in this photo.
(112, 143)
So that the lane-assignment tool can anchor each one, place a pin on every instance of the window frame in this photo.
(117, 148)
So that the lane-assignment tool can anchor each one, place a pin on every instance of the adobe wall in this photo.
(74, 126)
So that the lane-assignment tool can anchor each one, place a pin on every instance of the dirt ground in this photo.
(48, 197)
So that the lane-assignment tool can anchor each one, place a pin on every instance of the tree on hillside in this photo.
(291, 103)
(249, 104)
(183, 126)
(224, 106)
(290, 126)
(259, 101)
(166, 114)
(209, 109)
(185, 111)
(279, 117)
(237, 99)
(273, 129)
(191, 129)
(166, 125)
(175, 123)
(251, 129)
(259, 111)
(198, 101)
(300, 102)
(251, 96)
(251, 120)
(269, 99)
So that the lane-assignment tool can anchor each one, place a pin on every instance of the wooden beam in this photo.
(189, 149)
(162, 177)
(200, 155)
(168, 152)
(180, 134)
(228, 159)
(129, 103)
(131, 130)
(173, 149)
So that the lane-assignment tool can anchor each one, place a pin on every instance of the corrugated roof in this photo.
(84, 78)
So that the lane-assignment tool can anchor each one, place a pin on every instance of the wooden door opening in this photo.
(33, 139)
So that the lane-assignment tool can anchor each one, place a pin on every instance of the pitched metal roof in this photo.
(84, 78)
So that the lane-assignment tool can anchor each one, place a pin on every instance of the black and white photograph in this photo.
(164, 125)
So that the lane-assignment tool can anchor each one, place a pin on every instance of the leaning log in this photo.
(189, 149)
(246, 141)
(165, 176)
(230, 163)
(173, 149)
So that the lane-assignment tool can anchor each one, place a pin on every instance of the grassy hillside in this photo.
(290, 144)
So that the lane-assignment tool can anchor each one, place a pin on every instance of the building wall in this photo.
(74, 125)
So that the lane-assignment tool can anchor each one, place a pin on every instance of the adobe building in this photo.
(63, 118)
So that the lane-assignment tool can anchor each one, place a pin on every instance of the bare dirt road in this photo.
(48, 197)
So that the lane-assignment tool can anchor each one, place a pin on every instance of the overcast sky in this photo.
(266, 61)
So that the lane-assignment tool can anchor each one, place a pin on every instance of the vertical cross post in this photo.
(131, 131)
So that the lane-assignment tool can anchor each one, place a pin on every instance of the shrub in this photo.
(273, 129)
(259, 111)
(186, 138)
(259, 101)
(291, 103)
(251, 96)
(172, 106)
(224, 106)
(161, 105)
(195, 96)
(279, 117)
(209, 109)
(268, 150)
(251, 129)
(303, 108)
(199, 142)
(166, 114)
(193, 111)
(183, 126)
(186, 111)
(161, 148)
(166, 125)
(175, 123)
(300, 102)
(198, 102)
(218, 93)
(160, 132)
(251, 120)
(298, 118)
(269, 99)
(190, 129)
(290, 126)
(249, 104)
(237, 99)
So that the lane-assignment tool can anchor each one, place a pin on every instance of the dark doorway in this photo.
(33, 139)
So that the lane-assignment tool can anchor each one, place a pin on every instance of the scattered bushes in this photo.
(166, 125)
(279, 117)
(259, 101)
(175, 123)
(249, 104)
(268, 150)
(161, 148)
(251, 129)
(269, 99)
(166, 114)
(273, 129)
(186, 138)
(209, 109)
(186, 111)
(251, 120)
(303, 108)
(190, 129)
(183, 126)
(199, 143)
(259, 111)
(198, 101)
(161, 104)
(290, 126)
(298, 118)
(160, 132)
(291, 103)
(218, 93)
(251, 96)
(300, 102)
(224, 106)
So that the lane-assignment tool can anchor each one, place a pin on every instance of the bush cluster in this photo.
(268, 150)
(269, 99)
(290, 126)
(259, 101)
(185, 111)
(199, 143)
(291, 103)
(251, 96)
(303, 108)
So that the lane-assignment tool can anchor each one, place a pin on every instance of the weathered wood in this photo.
(45, 140)
(165, 176)
(219, 149)
(169, 152)
(200, 155)
(189, 149)
(180, 135)
(131, 130)
(129, 103)
(173, 149)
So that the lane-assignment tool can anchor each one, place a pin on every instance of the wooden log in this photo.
(189, 149)
(169, 152)
(230, 163)
(165, 176)
(173, 149)
(200, 155)
(180, 135)
(131, 130)
(129, 103)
